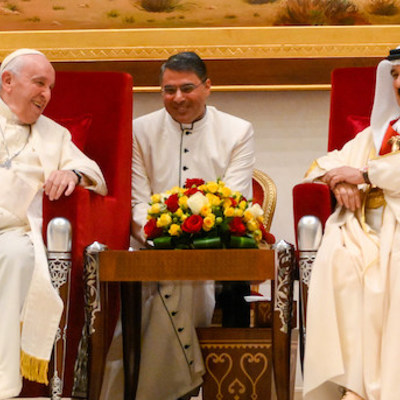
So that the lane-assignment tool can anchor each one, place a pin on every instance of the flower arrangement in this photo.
(204, 215)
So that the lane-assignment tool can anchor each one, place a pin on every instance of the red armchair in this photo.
(97, 109)
(352, 97)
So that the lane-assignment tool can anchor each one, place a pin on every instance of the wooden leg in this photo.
(98, 346)
(282, 320)
(131, 316)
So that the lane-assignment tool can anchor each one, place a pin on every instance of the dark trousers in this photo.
(235, 310)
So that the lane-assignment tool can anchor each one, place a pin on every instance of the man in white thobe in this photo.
(186, 139)
(353, 324)
(36, 156)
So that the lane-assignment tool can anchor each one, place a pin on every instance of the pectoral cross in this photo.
(6, 164)
(395, 142)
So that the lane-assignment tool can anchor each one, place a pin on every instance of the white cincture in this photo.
(7, 163)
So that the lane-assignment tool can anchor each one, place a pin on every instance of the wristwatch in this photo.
(78, 174)
(365, 176)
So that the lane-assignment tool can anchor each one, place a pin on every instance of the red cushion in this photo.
(357, 123)
(78, 127)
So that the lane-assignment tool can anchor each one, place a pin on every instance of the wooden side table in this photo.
(132, 268)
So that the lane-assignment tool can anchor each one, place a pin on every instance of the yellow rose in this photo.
(212, 187)
(236, 195)
(155, 208)
(213, 199)
(252, 225)
(226, 192)
(175, 189)
(243, 204)
(227, 203)
(184, 216)
(208, 222)
(218, 220)
(174, 230)
(238, 212)
(229, 212)
(164, 220)
(183, 201)
(179, 212)
(247, 216)
(205, 210)
(156, 198)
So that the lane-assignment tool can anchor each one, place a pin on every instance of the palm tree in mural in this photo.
(321, 12)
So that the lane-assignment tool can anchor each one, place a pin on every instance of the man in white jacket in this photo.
(353, 321)
(36, 156)
(186, 139)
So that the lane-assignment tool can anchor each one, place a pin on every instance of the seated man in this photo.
(186, 139)
(36, 156)
(353, 325)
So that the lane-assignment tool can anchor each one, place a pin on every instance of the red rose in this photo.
(172, 202)
(151, 229)
(237, 227)
(193, 224)
(268, 237)
(191, 191)
(233, 202)
(193, 182)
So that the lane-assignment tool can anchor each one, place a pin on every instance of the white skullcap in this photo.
(17, 53)
(385, 108)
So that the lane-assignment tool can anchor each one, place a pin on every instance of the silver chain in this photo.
(7, 164)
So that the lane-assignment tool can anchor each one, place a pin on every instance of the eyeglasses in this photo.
(186, 88)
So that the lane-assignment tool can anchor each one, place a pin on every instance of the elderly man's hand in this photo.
(348, 195)
(343, 174)
(59, 182)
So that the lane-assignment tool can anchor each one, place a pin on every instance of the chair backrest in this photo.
(352, 97)
(105, 98)
(264, 194)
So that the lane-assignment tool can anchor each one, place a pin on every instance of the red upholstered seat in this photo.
(352, 97)
(97, 108)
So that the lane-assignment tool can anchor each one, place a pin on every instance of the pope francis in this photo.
(36, 156)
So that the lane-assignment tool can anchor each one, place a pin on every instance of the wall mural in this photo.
(128, 14)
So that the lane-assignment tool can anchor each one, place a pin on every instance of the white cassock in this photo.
(165, 154)
(30, 308)
(353, 324)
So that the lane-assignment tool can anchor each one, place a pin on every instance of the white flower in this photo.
(256, 210)
(197, 202)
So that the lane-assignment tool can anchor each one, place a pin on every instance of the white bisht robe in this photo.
(165, 155)
(48, 148)
(353, 324)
